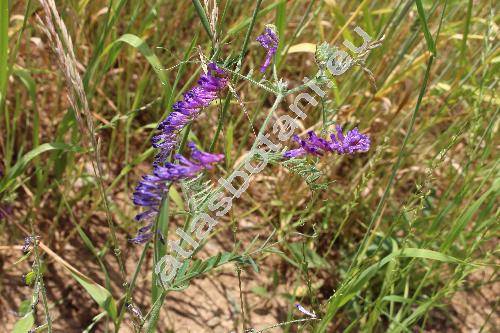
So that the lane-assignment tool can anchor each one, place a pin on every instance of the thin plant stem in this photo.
(248, 34)
(42, 285)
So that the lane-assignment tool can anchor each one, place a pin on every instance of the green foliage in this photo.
(98, 293)
(306, 170)
(27, 320)
(16, 170)
(198, 267)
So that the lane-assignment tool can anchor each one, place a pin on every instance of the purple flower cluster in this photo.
(269, 40)
(153, 188)
(209, 85)
(350, 143)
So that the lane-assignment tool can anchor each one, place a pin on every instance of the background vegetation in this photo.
(403, 239)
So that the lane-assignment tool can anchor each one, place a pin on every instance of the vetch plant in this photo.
(261, 150)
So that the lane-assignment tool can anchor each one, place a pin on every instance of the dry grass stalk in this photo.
(60, 40)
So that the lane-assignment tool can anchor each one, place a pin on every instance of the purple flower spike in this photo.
(269, 40)
(185, 111)
(152, 189)
(352, 142)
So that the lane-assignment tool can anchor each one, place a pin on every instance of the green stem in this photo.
(466, 31)
(203, 17)
(4, 47)
(236, 74)
(38, 263)
(247, 35)
(220, 122)
(258, 84)
(131, 288)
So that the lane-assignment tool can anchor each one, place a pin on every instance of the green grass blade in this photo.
(111, 17)
(4, 47)
(203, 17)
(425, 27)
(144, 49)
(466, 30)
(22, 163)
(280, 26)
(98, 293)
(241, 25)
(160, 249)
(468, 214)
(350, 290)
(249, 31)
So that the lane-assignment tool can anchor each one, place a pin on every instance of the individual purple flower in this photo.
(152, 189)
(269, 40)
(134, 310)
(351, 143)
(203, 158)
(143, 234)
(185, 111)
(299, 152)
